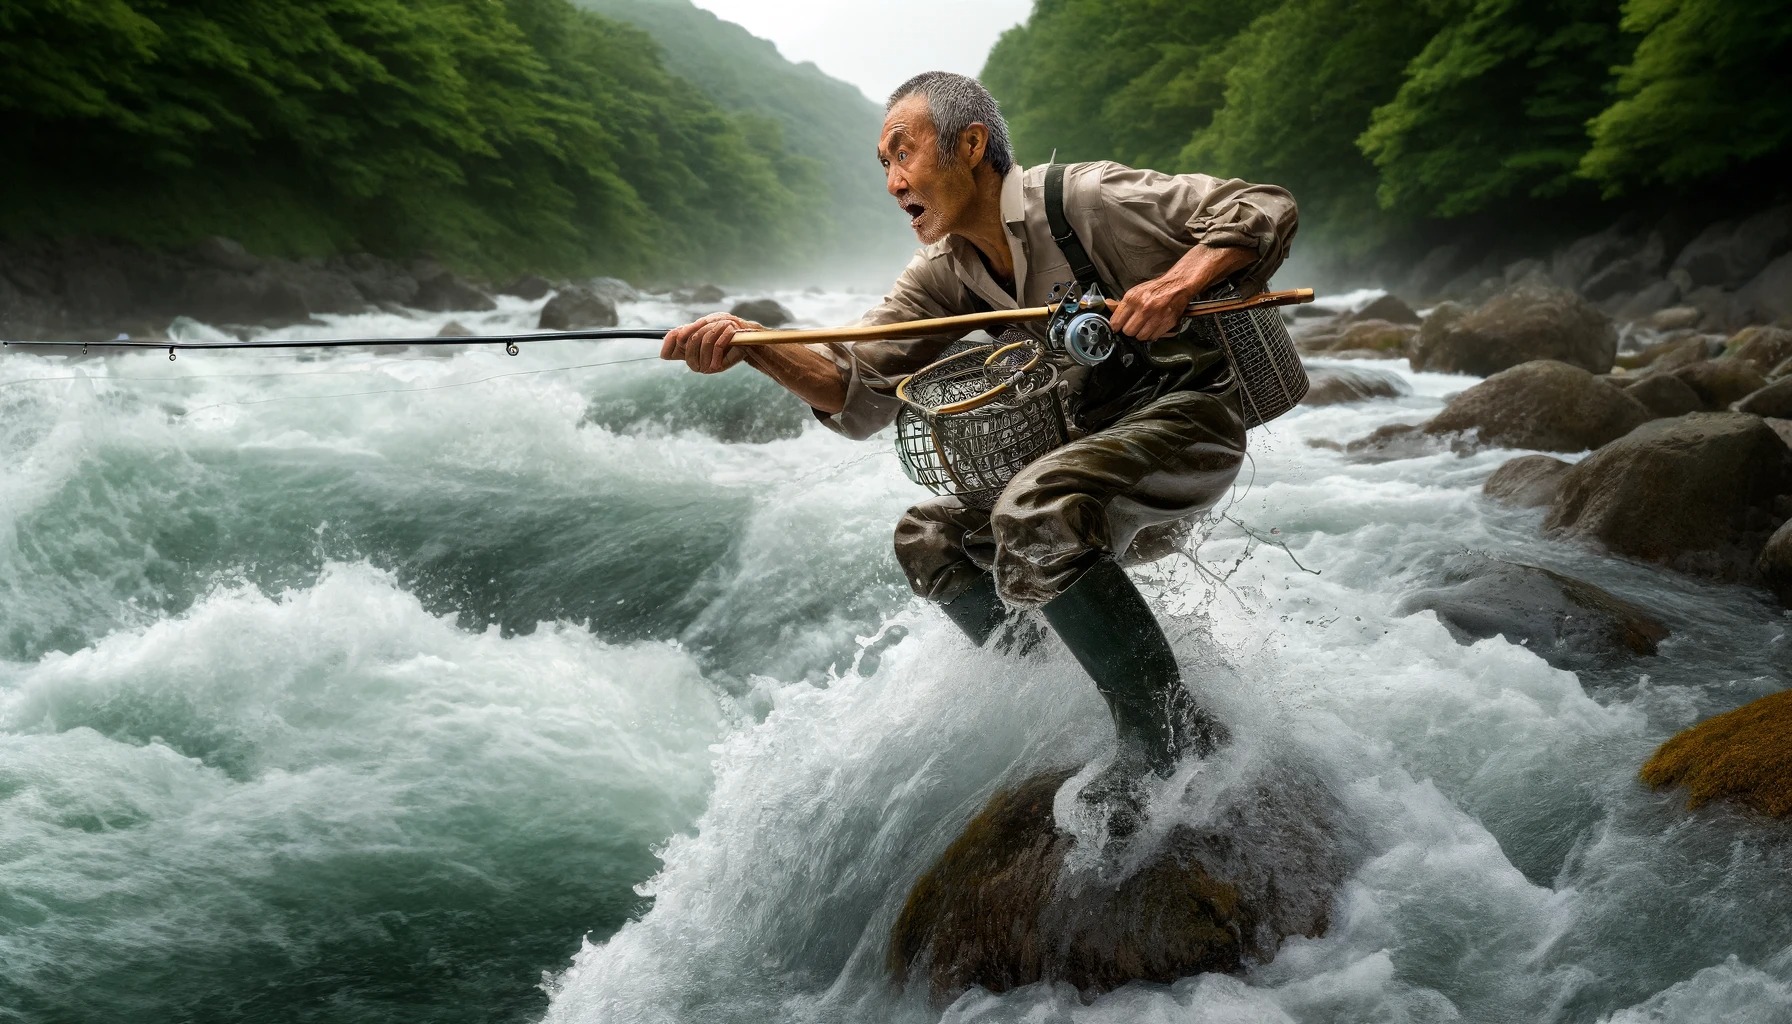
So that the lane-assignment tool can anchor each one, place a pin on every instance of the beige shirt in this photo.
(1135, 225)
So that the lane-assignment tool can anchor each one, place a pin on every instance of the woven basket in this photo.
(968, 425)
(1270, 376)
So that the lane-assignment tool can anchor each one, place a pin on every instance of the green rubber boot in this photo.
(978, 611)
(1107, 625)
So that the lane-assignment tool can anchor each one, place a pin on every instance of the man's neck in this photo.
(985, 228)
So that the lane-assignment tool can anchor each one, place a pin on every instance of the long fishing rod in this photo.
(509, 341)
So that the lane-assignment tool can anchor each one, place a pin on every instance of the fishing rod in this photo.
(509, 341)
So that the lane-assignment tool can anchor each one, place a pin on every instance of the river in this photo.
(394, 687)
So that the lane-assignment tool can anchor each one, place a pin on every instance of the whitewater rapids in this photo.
(419, 686)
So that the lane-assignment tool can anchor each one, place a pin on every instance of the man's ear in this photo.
(972, 142)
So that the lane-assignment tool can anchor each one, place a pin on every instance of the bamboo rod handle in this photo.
(969, 321)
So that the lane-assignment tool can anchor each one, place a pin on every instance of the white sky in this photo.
(877, 44)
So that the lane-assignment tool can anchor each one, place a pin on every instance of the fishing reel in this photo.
(1078, 327)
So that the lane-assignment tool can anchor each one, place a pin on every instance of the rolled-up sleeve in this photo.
(1199, 209)
(872, 369)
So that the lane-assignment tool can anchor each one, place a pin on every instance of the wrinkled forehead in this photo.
(908, 122)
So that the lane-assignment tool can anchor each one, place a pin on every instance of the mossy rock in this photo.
(1743, 755)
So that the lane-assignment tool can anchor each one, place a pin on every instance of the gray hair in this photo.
(955, 102)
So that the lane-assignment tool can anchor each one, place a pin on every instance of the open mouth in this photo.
(914, 211)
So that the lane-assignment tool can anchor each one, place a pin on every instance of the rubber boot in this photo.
(978, 611)
(1107, 625)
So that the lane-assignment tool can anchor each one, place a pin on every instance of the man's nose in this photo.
(895, 182)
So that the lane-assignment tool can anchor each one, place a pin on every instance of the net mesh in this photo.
(974, 454)
(1263, 356)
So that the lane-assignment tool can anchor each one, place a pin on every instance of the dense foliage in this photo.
(1383, 115)
(494, 134)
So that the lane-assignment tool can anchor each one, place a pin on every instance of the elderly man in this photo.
(1157, 436)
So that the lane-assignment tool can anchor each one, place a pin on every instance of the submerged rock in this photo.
(1567, 622)
(1335, 385)
(528, 286)
(1695, 493)
(1002, 909)
(575, 308)
(1743, 755)
(1527, 322)
(1529, 481)
(1544, 405)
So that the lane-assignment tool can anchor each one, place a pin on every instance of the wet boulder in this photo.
(576, 308)
(228, 297)
(1381, 336)
(1664, 394)
(1527, 322)
(1765, 348)
(1567, 622)
(443, 292)
(1696, 493)
(766, 312)
(1336, 385)
(1674, 318)
(1670, 353)
(1774, 400)
(615, 289)
(1769, 295)
(1775, 564)
(1743, 755)
(1005, 907)
(1387, 308)
(528, 286)
(1543, 405)
(703, 294)
(1719, 382)
(1529, 481)
(455, 329)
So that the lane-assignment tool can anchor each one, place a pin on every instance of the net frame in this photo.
(1015, 414)
(1270, 376)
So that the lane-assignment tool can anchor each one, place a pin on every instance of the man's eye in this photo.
(901, 155)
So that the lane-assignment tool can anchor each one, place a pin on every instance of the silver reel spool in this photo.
(1077, 328)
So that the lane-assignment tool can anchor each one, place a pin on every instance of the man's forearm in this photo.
(1203, 267)
(803, 372)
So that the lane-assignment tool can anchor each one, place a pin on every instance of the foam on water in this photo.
(365, 694)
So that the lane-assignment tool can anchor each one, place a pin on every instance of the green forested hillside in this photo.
(825, 122)
(1385, 117)
(494, 134)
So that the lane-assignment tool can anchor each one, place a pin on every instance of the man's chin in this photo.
(925, 232)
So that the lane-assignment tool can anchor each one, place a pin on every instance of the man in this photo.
(1161, 433)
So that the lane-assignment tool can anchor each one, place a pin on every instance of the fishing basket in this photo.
(1271, 379)
(971, 421)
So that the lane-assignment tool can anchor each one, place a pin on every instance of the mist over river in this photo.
(421, 686)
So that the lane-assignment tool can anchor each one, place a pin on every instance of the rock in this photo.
(1381, 336)
(1766, 348)
(529, 287)
(1529, 481)
(380, 282)
(1774, 400)
(1525, 323)
(445, 292)
(227, 297)
(1398, 441)
(455, 329)
(706, 294)
(767, 312)
(1782, 427)
(615, 289)
(325, 291)
(1648, 301)
(1387, 308)
(1674, 351)
(1782, 370)
(1674, 318)
(226, 254)
(1768, 296)
(1775, 564)
(1718, 307)
(1000, 909)
(1722, 381)
(1620, 277)
(1743, 755)
(1580, 259)
(1664, 394)
(1567, 622)
(1695, 493)
(1521, 269)
(576, 308)
(1727, 253)
(1544, 405)
(1335, 385)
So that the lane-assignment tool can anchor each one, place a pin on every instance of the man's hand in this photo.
(706, 345)
(1152, 309)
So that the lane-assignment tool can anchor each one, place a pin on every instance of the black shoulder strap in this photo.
(1063, 234)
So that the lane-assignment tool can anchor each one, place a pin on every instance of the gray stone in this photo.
(445, 292)
(1696, 493)
(1768, 296)
(1580, 259)
(1775, 564)
(1386, 307)
(1648, 301)
(1620, 277)
(615, 289)
(1774, 400)
(226, 254)
(1720, 382)
(706, 294)
(1727, 254)
(576, 308)
(1674, 318)
(1567, 622)
(1543, 405)
(1336, 385)
(1664, 394)
(1764, 347)
(766, 312)
(528, 287)
(1525, 323)
(455, 329)
(1529, 481)
(227, 297)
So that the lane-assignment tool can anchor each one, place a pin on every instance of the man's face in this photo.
(935, 195)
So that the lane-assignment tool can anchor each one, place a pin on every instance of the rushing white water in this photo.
(362, 687)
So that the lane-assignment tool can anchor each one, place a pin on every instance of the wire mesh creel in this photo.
(1256, 342)
(1014, 416)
